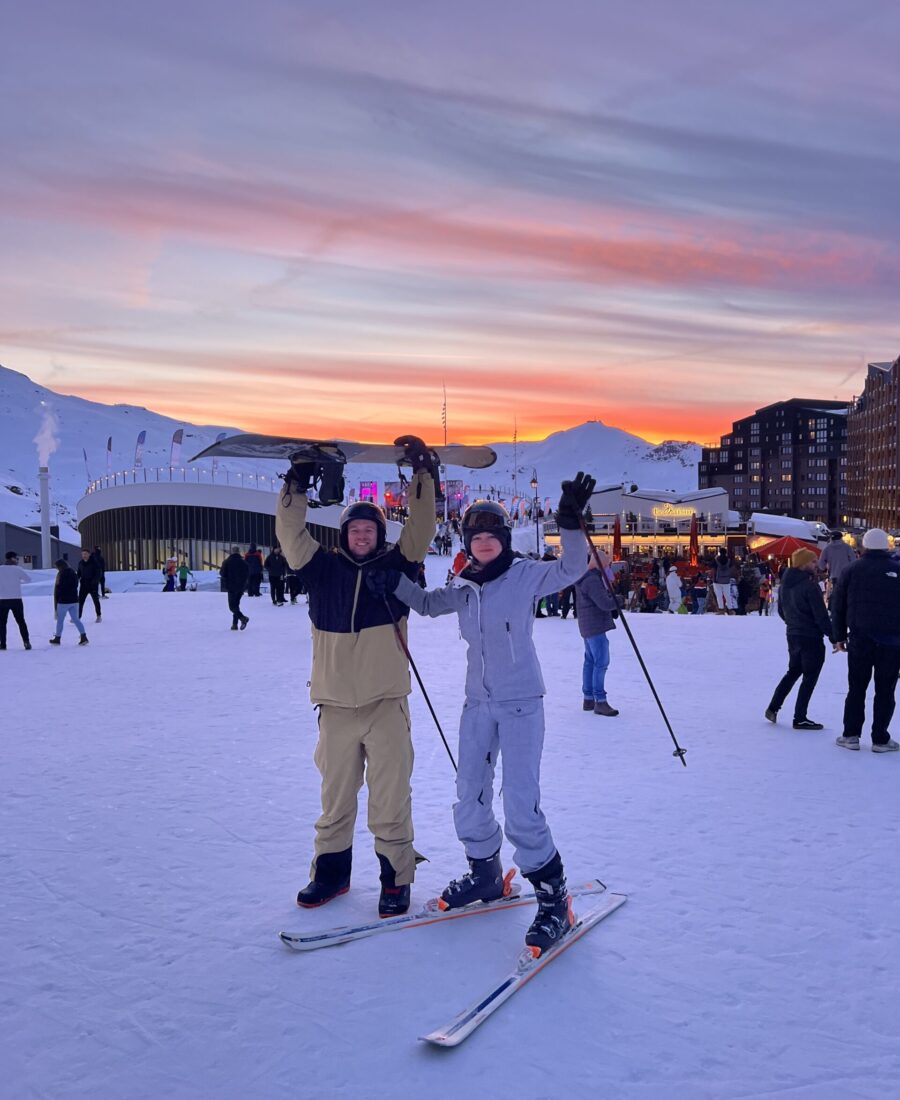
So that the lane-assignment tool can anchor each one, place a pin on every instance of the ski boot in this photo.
(330, 878)
(394, 900)
(554, 917)
(483, 881)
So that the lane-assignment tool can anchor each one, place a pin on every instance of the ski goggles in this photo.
(485, 521)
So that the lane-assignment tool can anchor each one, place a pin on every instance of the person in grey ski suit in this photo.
(503, 710)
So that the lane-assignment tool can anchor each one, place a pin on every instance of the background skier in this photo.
(65, 601)
(866, 604)
(803, 609)
(234, 579)
(254, 560)
(12, 577)
(276, 566)
(598, 608)
(88, 582)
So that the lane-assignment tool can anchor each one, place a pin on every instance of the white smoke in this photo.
(46, 439)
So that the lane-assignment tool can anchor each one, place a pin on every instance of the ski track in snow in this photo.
(158, 798)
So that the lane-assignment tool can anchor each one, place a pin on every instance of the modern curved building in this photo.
(142, 517)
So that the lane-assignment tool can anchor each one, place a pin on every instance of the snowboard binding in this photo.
(318, 468)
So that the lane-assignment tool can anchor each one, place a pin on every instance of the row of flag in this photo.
(174, 452)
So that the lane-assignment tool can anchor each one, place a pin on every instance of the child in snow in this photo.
(503, 712)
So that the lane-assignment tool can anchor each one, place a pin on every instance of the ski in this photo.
(428, 914)
(462, 1026)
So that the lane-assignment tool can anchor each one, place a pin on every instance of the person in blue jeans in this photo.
(65, 601)
(597, 608)
(503, 712)
(698, 595)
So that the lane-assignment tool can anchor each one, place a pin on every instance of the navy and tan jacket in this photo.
(356, 657)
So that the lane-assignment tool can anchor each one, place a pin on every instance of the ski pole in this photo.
(412, 665)
(679, 751)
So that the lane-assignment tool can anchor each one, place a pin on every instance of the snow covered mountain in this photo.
(69, 428)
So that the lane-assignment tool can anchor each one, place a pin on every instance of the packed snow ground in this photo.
(158, 798)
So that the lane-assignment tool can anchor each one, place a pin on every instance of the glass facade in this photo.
(143, 537)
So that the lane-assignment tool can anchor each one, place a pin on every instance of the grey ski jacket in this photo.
(496, 619)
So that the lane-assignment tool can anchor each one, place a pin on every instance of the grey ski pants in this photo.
(515, 729)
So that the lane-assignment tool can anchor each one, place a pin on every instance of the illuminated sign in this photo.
(672, 511)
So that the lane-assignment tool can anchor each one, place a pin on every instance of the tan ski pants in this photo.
(374, 740)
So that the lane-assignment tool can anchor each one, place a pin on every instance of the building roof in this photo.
(813, 403)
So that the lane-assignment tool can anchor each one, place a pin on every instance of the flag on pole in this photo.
(87, 472)
(109, 456)
(175, 453)
(139, 450)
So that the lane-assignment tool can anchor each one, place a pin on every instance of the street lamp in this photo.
(534, 512)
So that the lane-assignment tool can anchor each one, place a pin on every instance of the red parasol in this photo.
(783, 547)
(617, 540)
(694, 544)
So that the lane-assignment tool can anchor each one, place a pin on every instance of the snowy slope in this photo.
(157, 800)
(609, 453)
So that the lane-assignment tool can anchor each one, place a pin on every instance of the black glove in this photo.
(572, 502)
(382, 582)
(419, 456)
(300, 476)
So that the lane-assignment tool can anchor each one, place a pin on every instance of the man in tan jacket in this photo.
(360, 680)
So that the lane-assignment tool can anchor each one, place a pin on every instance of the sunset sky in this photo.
(307, 217)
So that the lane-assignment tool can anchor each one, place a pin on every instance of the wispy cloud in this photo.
(642, 215)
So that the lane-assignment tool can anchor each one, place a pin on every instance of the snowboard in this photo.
(339, 450)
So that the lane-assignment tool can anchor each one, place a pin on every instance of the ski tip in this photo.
(440, 1039)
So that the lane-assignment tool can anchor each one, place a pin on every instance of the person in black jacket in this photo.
(101, 568)
(234, 573)
(276, 566)
(88, 582)
(65, 601)
(254, 560)
(803, 609)
(866, 603)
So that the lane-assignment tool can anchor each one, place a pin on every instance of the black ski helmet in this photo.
(489, 516)
(363, 509)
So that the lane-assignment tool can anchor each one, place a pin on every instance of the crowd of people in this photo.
(71, 590)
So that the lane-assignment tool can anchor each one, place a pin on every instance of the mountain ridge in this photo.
(79, 426)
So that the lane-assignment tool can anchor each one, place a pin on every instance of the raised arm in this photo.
(418, 531)
(554, 576)
(290, 526)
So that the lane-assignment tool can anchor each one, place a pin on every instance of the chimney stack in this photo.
(44, 479)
